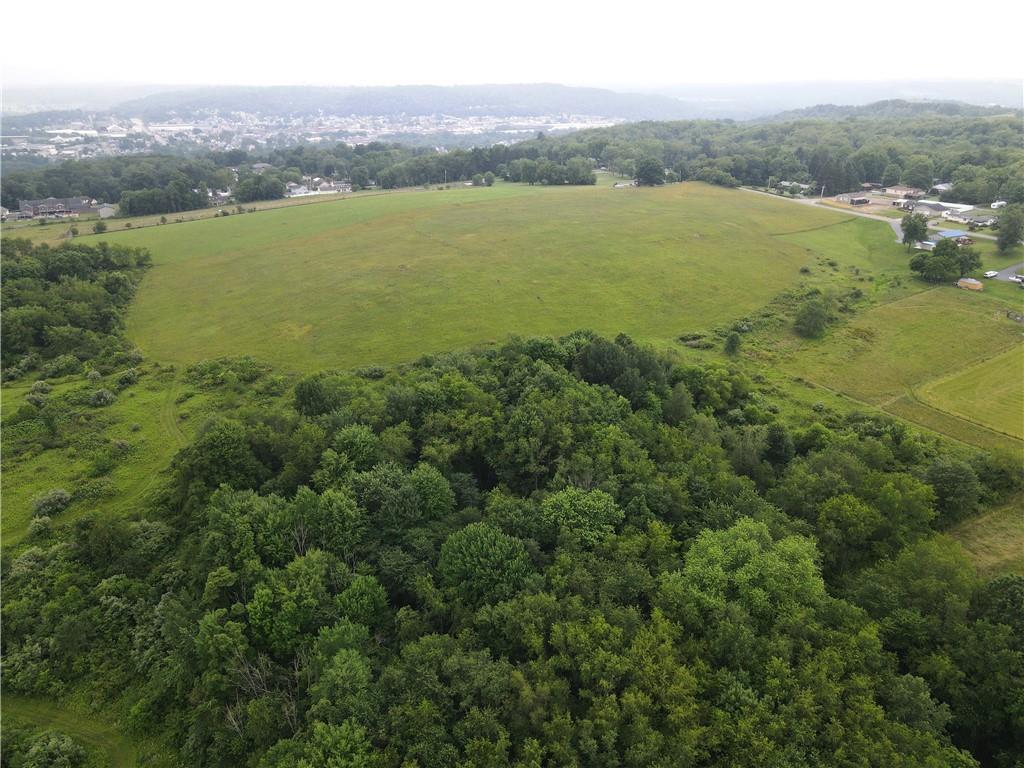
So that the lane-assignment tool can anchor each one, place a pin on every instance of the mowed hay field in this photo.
(995, 539)
(389, 278)
(991, 392)
(888, 355)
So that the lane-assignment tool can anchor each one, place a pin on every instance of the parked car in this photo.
(991, 273)
(1017, 278)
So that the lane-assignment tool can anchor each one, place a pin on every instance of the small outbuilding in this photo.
(970, 284)
(107, 211)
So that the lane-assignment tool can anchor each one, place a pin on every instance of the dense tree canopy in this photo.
(66, 303)
(557, 552)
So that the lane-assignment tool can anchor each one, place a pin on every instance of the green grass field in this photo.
(995, 539)
(888, 355)
(991, 392)
(99, 736)
(145, 417)
(389, 278)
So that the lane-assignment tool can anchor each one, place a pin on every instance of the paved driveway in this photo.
(1005, 274)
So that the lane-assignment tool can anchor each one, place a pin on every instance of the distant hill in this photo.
(891, 108)
(15, 124)
(747, 101)
(460, 101)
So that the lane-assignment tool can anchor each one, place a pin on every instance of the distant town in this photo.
(102, 135)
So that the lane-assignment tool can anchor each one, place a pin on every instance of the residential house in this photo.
(261, 167)
(54, 206)
(945, 186)
(906, 192)
(295, 190)
(930, 207)
(983, 220)
(958, 235)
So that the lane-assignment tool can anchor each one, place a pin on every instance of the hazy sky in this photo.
(632, 43)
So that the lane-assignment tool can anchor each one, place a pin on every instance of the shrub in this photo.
(39, 527)
(812, 318)
(102, 398)
(91, 490)
(127, 378)
(36, 399)
(51, 503)
(61, 366)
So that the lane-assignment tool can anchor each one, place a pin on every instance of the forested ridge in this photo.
(558, 552)
(982, 155)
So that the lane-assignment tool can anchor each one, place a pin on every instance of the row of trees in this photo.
(176, 196)
(983, 156)
(558, 552)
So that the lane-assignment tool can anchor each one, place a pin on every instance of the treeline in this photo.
(559, 552)
(983, 156)
(839, 154)
(64, 306)
(176, 196)
(107, 179)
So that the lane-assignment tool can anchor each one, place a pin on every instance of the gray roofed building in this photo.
(55, 206)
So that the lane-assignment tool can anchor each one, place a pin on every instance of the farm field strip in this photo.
(990, 392)
(881, 354)
(995, 539)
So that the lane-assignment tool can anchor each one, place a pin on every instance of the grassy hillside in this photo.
(995, 539)
(385, 279)
(382, 279)
(889, 355)
(99, 736)
(990, 392)
(117, 453)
